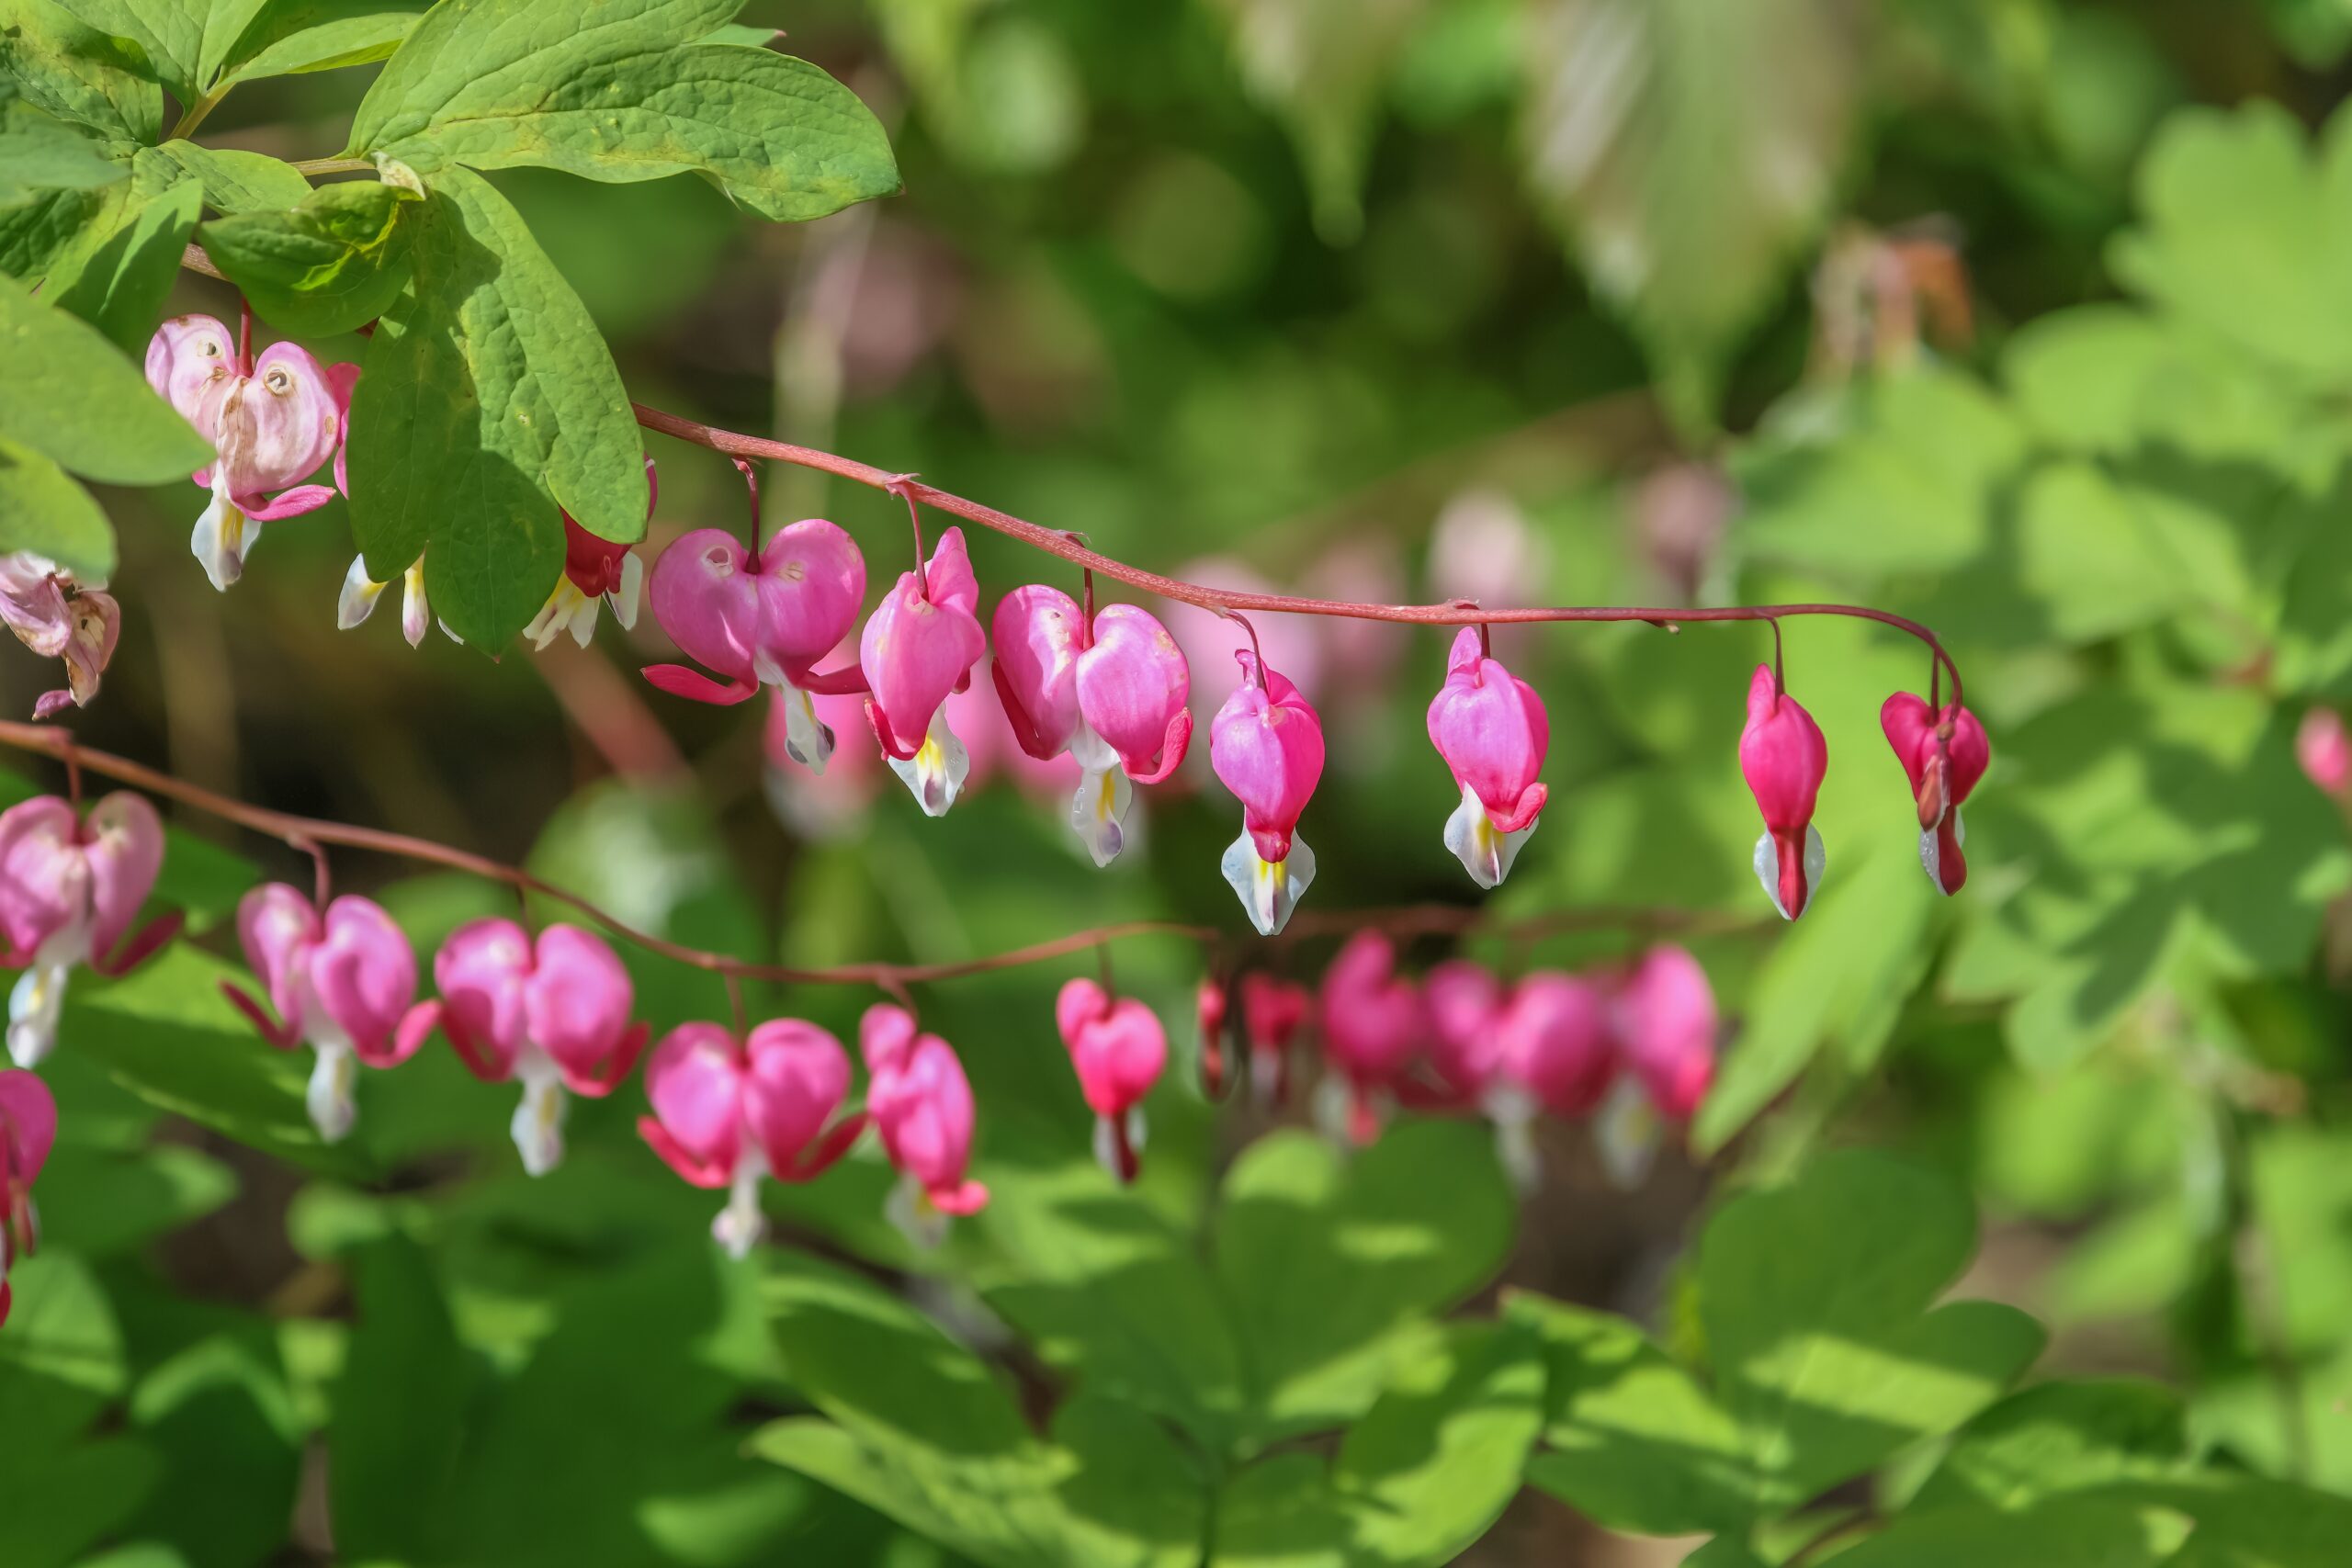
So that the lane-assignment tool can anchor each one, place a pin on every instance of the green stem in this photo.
(197, 110)
(332, 166)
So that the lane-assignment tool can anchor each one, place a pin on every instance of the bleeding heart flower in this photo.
(1111, 695)
(1118, 1048)
(1664, 1030)
(595, 571)
(1943, 756)
(1783, 757)
(273, 421)
(57, 619)
(27, 1128)
(761, 619)
(1490, 727)
(1465, 1006)
(919, 645)
(726, 1114)
(1266, 744)
(554, 1014)
(1375, 1025)
(921, 1106)
(1273, 1013)
(2322, 747)
(1212, 1001)
(68, 890)
(340, 983)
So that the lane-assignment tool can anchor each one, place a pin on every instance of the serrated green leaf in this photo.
(335, 260)
(40, 151)
(1632, 1442)
(169, 34)
(777, 134)
(234, 181)
(118, 280)
(1690, 150)
(489, 362)
(472, 58)
(287, 37)
(72, 396)
(1334, 1268)
(43, 511)
(1817, 1299)
(76, 72)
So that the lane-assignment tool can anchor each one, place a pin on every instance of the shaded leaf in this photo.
(43, 511)
(334, 261)
(117, 282)
(71, 395)
(284, 37)
(40, 151)
(77, 72)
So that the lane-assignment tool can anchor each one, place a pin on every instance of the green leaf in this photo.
(1691, 152)
(469, 57)
(777, 134)
(61, 1360)
(2242, 235)
(1333, 1267)
(999, 87)
(1840, 973)
(40, 151)
(169, 34)
(922, 1430)
(400, 1410)
(2059, 1437)
(118, 284)
(1816, 1300)
(491, 363)
(36, 233)
(2081, 1532)
(1101, 1282)
(1633, 1442)
(335, 260)
(103, 1201)
(77, 72)
(287, 37)
(1417, 1481)
(71, 395)
(43, 511)
(234, 181)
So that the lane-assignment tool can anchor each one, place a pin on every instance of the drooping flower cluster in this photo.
(1635, 1044)
(1117, 1047)
(274, 419)
(1784, 757)
(60, 618)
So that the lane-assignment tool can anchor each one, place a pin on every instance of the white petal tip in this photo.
(1269, 892)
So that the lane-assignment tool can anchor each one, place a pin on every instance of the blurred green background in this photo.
(2031, 319)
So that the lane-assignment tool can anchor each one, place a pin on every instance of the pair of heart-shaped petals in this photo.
(1122, 677)
(754, 619)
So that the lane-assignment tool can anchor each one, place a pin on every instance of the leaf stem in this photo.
(332, 166)
(197, 111)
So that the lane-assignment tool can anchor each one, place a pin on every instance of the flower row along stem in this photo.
(307, 834)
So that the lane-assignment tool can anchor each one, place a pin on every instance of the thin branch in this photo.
(308, 833)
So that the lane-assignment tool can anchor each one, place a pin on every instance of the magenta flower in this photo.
(1375, 1025)
(919, 645)
(68, 891)
(1783, 757)
(1266, 744)
(762, 619)
(1111, 695)
(273, 421)
(1273, 1012)
(726, 1114)
(1943, 756)
(1490, 727)
(921, 1106)
(27, 1128)
(1118, 1048)
(2324, 750)
(57, 619)
(1465, 1006)
(341, 982)
(554, 1014)
(1665, 1028)
(1554, 1055)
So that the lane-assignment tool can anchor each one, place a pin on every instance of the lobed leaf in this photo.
(232, 181)
(332, 261)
